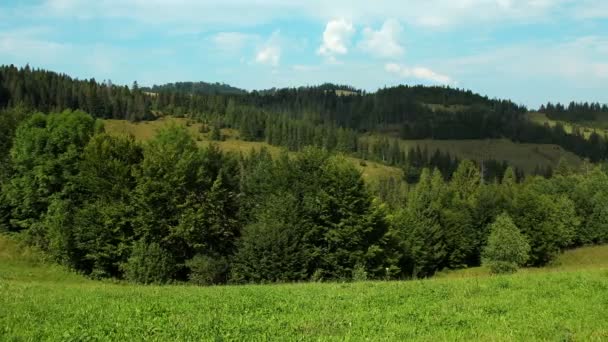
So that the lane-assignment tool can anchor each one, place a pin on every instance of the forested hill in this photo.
(47, 91)
(576, 112)
(201, 88)
(297, 117)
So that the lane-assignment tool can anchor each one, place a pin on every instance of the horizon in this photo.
(530, 52)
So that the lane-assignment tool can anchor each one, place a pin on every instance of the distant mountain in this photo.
(198, 88)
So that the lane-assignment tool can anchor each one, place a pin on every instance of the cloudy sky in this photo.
(529, 51)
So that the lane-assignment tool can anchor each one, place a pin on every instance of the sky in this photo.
(530, 52)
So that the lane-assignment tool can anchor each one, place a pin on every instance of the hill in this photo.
(527, 157)
(198, 88)
(39, 303)
(585, 127)
(524, 156)
(145, 130)
(409, 112)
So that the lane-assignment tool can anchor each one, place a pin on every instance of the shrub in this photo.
(507, 248)
(206, 270)
(149, 263)
(359, 273)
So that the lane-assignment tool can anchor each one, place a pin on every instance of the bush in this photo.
(148, 264)
(359, 273)
(205, 270)
(507, 248)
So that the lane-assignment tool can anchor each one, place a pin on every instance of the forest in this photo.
(576, 112)
(323, 116)
(168, 210)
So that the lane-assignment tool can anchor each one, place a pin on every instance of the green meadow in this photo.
(40, 301)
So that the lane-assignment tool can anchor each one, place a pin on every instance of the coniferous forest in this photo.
(168, 210)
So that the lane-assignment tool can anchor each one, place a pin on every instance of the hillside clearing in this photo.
(146, 130)
(585, 127)
(524, 156)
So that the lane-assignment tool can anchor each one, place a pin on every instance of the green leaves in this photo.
(507, 248)
(45, 155)
(321, 221)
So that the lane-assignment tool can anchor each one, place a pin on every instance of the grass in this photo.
(569, 306)
(601, 127)
(146, 130)
(524, 156)
(584, 258)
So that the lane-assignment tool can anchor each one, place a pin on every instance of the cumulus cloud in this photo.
(420, 73)
(336, 38)
(384, 43)
(270, 52)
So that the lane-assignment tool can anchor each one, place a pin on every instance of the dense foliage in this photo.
(507, 247)
(576, 112)
(47, 91)
(169, 210)
(195, 88)
(332, 116)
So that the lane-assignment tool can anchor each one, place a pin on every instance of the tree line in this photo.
(407, 112)
(48, 91)
(575, 111)
(168, 210)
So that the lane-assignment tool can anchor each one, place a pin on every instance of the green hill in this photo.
(145, 130)
(196, 88)
(45, 302)
(586, 127)
(524, 156)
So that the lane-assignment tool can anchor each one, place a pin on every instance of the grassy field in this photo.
(147, 129)
(584, 258)
(40, 302)
(586, 127)
(525, 156)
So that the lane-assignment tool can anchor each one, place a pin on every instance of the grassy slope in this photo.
(586, 127)
(585, 258)
(147, 129)
(37, 304)
(524, 156)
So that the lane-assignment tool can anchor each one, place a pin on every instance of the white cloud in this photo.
(305, 68)
(270, 52)
(232, 42)
(336, 38)
(384, 43)
(420, 73)
(270, 55)
(430, 13)
(577, 60)
(32, 45)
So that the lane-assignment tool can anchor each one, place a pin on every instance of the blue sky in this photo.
(529, 51)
